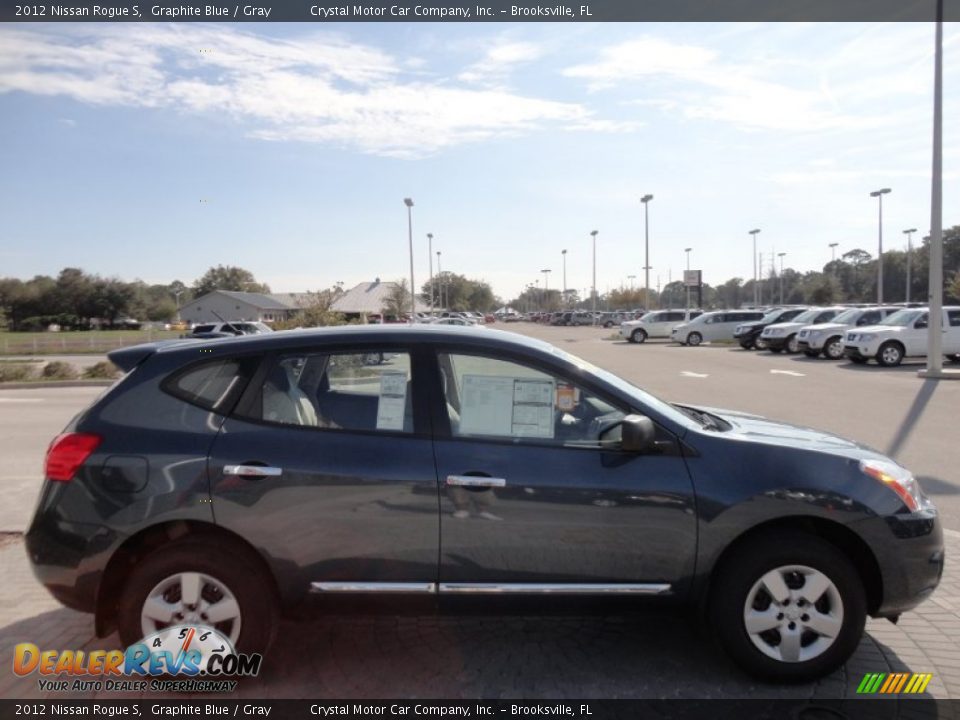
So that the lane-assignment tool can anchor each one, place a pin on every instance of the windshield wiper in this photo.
(705, 419)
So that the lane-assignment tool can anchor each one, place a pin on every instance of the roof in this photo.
(258, 300)
(368, 297)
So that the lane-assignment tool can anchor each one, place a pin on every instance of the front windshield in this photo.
(902, 318)
(806, 316)
(848, 317)
(771, 316)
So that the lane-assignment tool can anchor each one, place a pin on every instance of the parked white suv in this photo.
(903, 334)
(783, 336)
(656, 324)
(827, 338)
(713, 326)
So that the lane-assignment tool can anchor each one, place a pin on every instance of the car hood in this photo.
(756, 428)
(827, 326)
(785, 326)
(878, 329)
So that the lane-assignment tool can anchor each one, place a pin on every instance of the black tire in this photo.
(791, 345)
(736, 577)
(694, 339)
(638, 336)
(811, 353)
(747, 344)
(240, 573)
(890, 354)
(833, 348)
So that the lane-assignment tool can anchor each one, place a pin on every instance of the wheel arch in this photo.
(147, 541)
(840, 536)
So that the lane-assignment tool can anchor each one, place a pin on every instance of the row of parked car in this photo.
(605, 319)
(887, 333)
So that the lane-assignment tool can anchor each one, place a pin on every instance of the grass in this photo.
(78, 342)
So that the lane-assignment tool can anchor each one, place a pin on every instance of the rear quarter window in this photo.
(213, 385)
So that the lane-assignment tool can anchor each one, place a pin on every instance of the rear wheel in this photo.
(638, 336)
(833, 348)
(194, 582)
(788, 607)
(694, 339)
(890, 354)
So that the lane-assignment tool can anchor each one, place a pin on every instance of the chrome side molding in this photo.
(493, 588)
(373, 587)
(476, 481)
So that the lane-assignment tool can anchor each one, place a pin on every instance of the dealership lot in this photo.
(650, 655)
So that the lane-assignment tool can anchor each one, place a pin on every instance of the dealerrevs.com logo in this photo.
(180, 658)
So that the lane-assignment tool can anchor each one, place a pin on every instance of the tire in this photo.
(833, 348)
(747, 344)
(221, 568)
(694, 339)
(834, 622)
(792, 346)
(638, 336)
(890, 354)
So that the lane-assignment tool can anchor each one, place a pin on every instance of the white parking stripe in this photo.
(787, 372)
(20, 400)
(687, 373)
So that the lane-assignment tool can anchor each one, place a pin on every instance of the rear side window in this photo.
(954, 317)
(212, 385)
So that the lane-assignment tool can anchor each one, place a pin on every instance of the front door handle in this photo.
(252, 470)
(479, 481)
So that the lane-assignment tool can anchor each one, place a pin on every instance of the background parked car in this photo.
(902, 334)
(227, 329)
(748, 334)
(827, 338)
(713, 326)
(656, 324)
(783, 335)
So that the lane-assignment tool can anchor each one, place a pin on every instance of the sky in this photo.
(155, 151)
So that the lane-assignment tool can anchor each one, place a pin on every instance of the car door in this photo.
(951, 336)
(530, 499)
(916, 335)
(327, 467)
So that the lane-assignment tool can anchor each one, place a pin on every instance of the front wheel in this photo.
(694, 339)
(747, 344)
(793, 345)
(638, 336)
(789, 607)
(833, 348)
(890, 354)
(191, 582)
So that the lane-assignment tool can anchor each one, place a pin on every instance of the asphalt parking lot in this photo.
(650, 655)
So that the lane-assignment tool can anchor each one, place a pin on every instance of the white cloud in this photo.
(317, 89)
(498, 61)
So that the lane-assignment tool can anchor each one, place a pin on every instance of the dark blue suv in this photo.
(224, 482)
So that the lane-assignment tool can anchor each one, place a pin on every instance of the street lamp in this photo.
(630, 278)
(780, 255)
(593, 234)
(546, 286)
(564, 253)
(440, 279)
(879, 195)
(833, 252)
(687, 251)
(646, 243)
(413, 288)
(756, 287)
(430, 257)
(909, 233)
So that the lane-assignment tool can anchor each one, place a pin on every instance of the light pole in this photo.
(440, 279)
(430, 257)
(646, 255)
(630, 278)
(756, 287)
(687, 287)
(564, 253)
(833, 252)
(879, 195)
(909, 233)
(546, 287)
(593, 234)
(780, 255)
(413, 288)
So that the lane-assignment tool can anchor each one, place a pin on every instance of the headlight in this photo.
(864, 337)
(814, 334)
(773, 333)
(898, 479)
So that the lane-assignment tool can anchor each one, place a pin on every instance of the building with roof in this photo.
(369, 298)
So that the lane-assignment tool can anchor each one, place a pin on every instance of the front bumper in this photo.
(775, 343)
(859, 352)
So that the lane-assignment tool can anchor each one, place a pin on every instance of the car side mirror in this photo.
(637, 433)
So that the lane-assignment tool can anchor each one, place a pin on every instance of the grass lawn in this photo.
(90, 341)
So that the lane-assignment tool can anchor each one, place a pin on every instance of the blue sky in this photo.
(515, 141)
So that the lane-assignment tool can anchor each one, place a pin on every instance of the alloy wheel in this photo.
(191, 597)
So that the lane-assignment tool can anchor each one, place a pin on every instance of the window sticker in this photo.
(393, 400)
(505, 406)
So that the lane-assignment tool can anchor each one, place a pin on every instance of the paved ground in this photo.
(651, 655)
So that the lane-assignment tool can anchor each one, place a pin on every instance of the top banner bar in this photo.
(314, 11)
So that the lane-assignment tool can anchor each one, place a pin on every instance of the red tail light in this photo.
(68, 452)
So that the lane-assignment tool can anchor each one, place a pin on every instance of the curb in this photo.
(55, 384)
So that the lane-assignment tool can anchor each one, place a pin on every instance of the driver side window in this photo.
(503, 400)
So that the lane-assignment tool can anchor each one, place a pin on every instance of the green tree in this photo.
(228, 277)
(397, 302)
(315, 311)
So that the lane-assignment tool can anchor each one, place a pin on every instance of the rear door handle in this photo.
(252, 470)
(475, 481)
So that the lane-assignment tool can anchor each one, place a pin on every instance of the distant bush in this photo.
(103, 370)
(16, 372)
(57, 370)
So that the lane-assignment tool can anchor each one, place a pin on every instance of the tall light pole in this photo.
(413, 288)
(593, 234)
(780, 255)
(564, 253)
(630, 278)
(756, 287)
(546, 286)
(646, 244)
(440, 279)
(833, 252)
(879, 195)
(430, 258)
(687, 287)
(934, 367)
(909, 233)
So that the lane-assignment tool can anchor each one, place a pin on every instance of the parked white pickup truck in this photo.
(903, 334)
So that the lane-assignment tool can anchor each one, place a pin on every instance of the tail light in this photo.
(67, 453)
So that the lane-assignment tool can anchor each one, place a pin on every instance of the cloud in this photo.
(320, 88)
(498, 61)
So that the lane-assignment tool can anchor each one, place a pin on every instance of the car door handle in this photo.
(475, 481)
(252, 470)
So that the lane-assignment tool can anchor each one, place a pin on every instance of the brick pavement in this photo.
(657, 654)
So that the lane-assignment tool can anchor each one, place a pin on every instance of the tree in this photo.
(460, 293)
(315, 311)
(397, 302)
(228, 277)
(953, 288)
